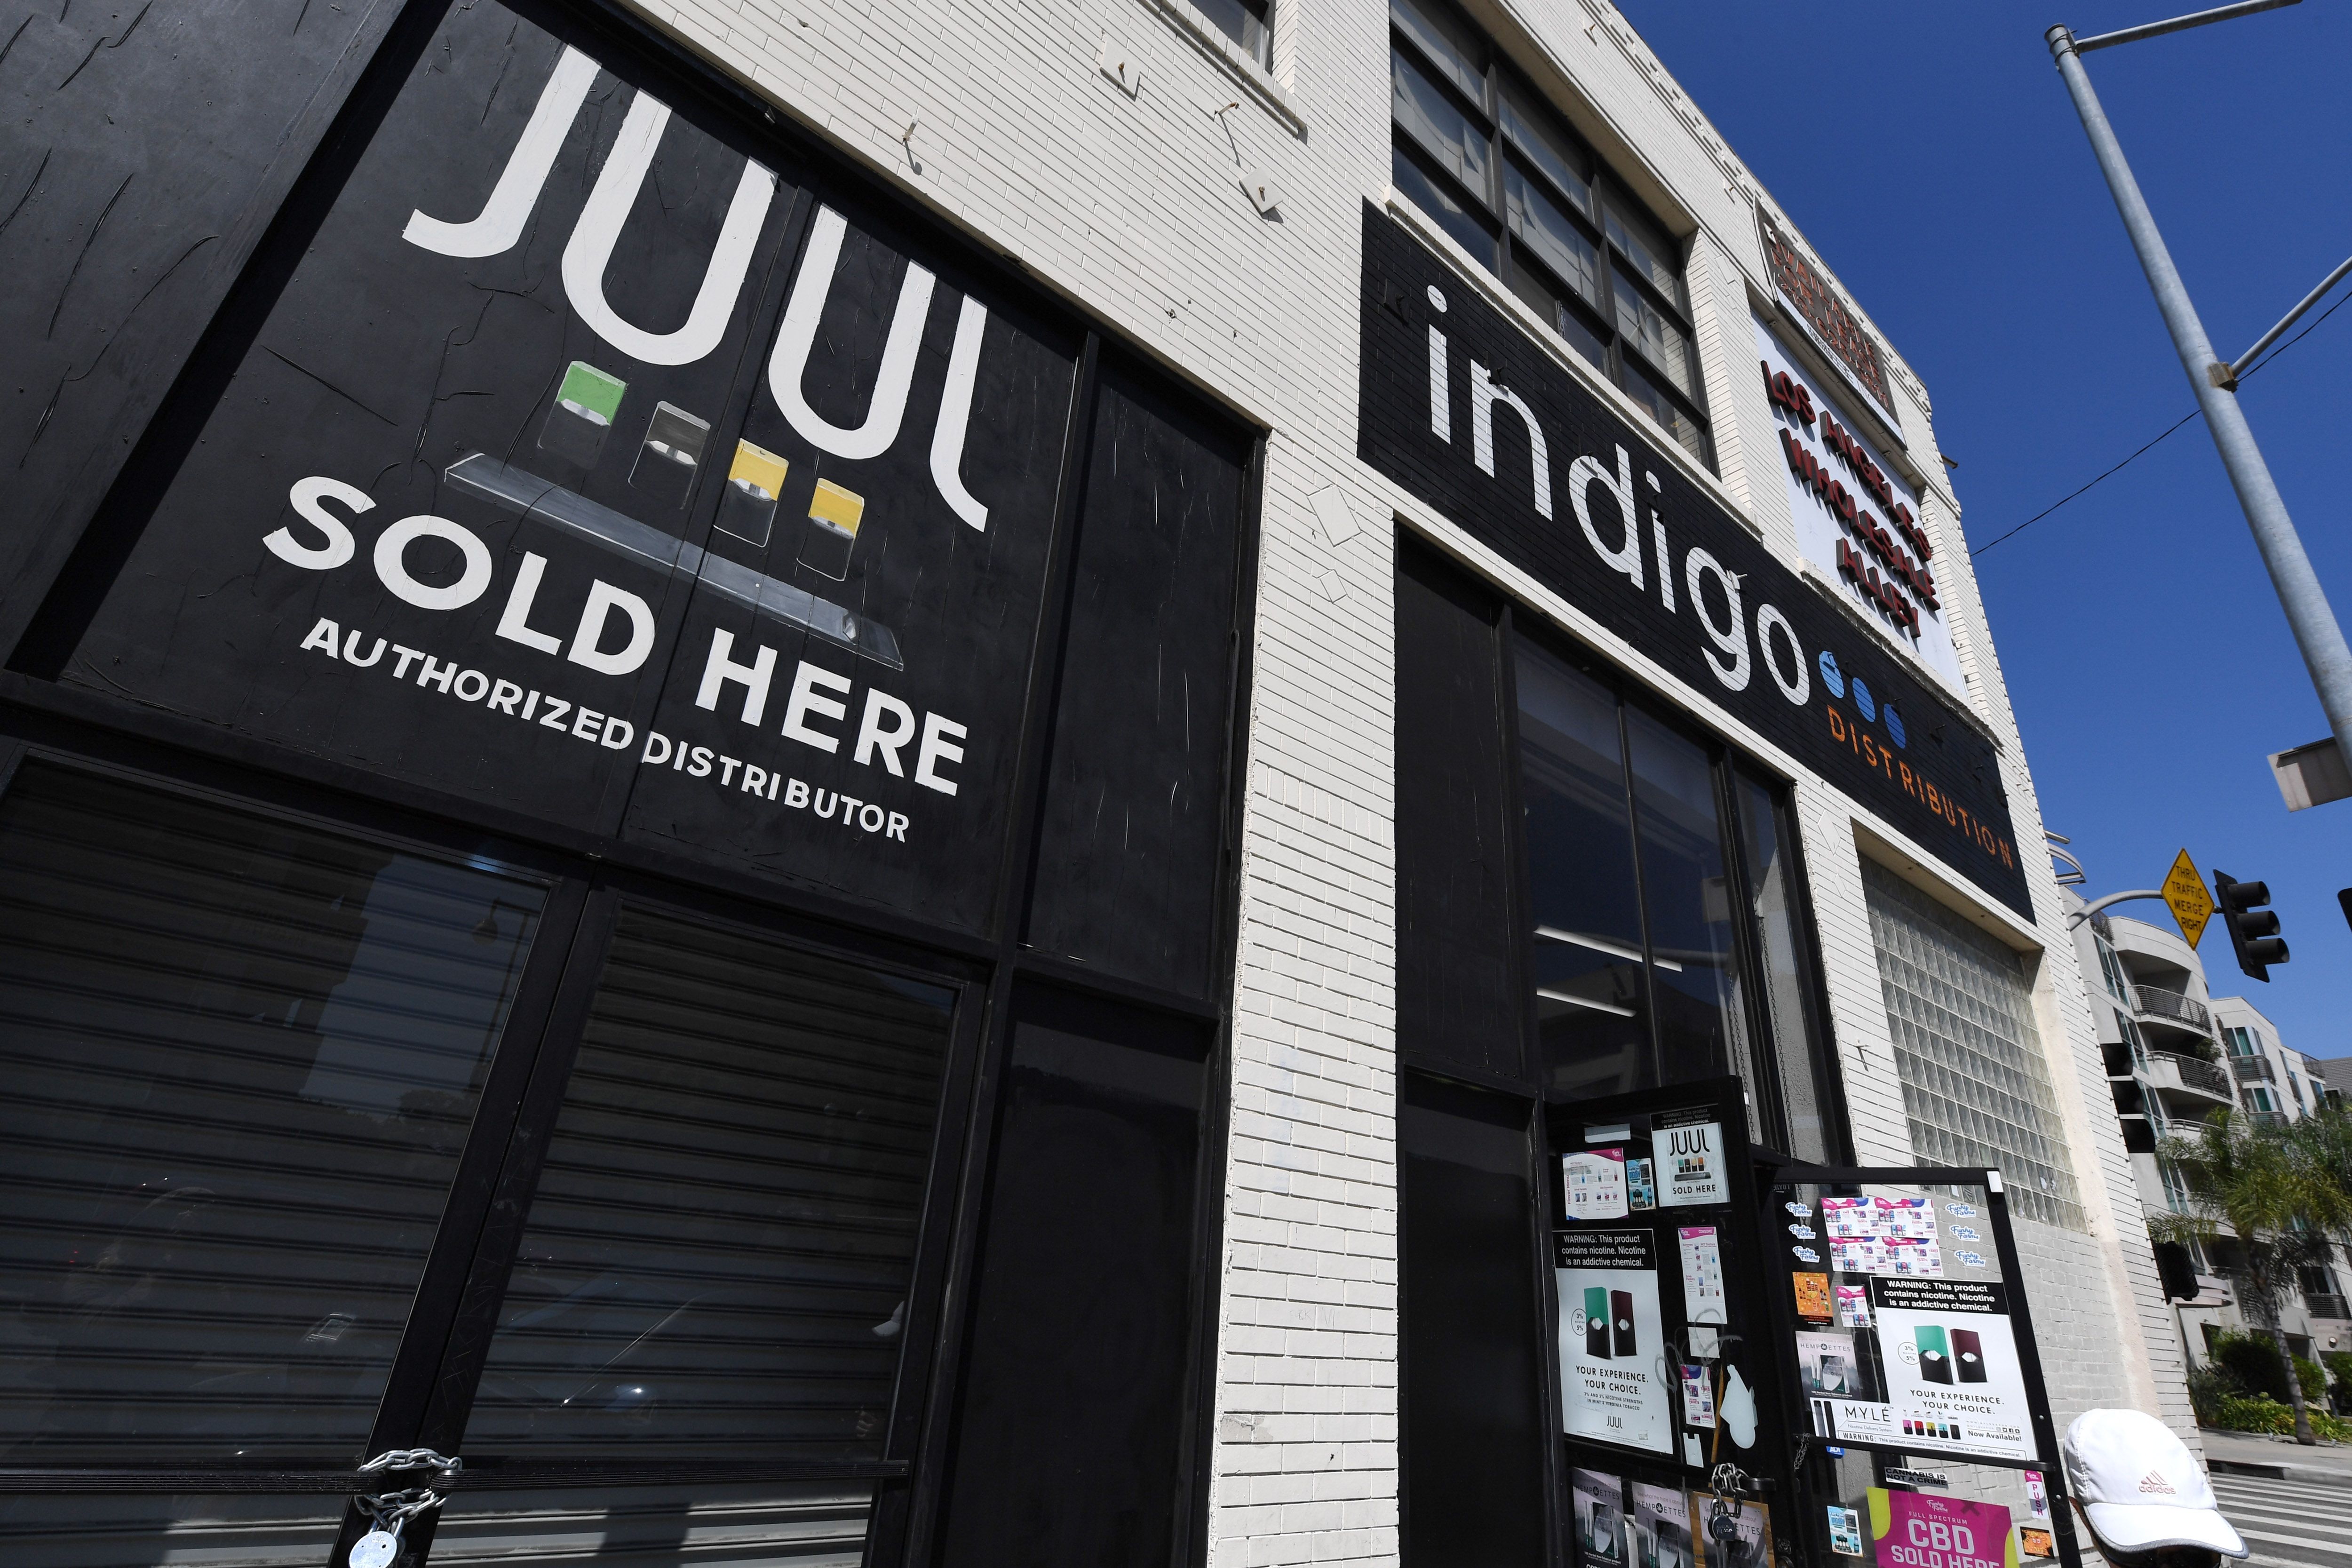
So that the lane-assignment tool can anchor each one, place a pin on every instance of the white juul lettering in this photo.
(503, 217)
(789, 363)
(506, 213)
(514, 621)
(599, 229)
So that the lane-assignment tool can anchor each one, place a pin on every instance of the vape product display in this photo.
(1596, 1321)
(833, 519)
(746, 509)
(1621, 1314)
(670, 456)
(1968, 1351)
(586, 403)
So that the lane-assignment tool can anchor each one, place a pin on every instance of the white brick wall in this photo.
(1131, 207)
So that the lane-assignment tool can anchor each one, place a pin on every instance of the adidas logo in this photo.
(2153, 1482)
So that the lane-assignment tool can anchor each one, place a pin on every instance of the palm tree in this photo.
(2275, 1193)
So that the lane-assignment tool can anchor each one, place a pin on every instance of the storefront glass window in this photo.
(717, 1257)
(1592, 995)
(1685, 894)
(1974, 1080)
(242, 1056)
(1784, 956)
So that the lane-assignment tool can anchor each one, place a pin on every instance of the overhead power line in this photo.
(2176, 425)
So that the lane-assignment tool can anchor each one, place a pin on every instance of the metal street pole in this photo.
(2317, 634)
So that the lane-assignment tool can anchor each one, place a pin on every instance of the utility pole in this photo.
(2215, 381)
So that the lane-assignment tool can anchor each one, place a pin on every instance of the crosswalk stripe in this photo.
(2286, 1491)
(2242, 1516)
(2332, 1547)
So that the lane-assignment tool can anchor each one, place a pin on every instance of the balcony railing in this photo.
(2267, 1117)
(2324, 1304)
(2195, 1072)
(2254, 1069)
(2154, 1002)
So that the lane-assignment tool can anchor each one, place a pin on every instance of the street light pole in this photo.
(2316, 633)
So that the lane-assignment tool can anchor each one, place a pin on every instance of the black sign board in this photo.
(1465, 410)
(588, 464)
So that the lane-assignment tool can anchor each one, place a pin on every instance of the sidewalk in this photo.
(2253, 1453)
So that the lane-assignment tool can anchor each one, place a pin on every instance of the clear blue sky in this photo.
(1932, 156)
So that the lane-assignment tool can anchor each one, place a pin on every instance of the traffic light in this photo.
(2254, 930)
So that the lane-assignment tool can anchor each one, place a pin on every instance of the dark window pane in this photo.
(1242, 21)
(1529, 126)
(1651, 253)
(1786, 984)
(1655, 336)
(1127, 873)
(1586, 948)
(1544, 228)
(242, 1057)
(1657, 402)
(716, 1259)
(1468, 229)
(1070, 1437)
(1455, 925)
(1687, 902)
(1476, 1430)
(1453, 49)
(1425, 113)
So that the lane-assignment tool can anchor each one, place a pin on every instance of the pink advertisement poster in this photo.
(1922, 1530)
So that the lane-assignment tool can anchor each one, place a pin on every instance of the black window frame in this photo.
(1248, 23)
(1587, 321)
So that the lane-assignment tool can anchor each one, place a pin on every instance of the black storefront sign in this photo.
(593, 463)
(1466, 411)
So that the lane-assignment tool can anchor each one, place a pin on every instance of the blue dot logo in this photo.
(1862, 700)
(1895, 725)
(1829, 675)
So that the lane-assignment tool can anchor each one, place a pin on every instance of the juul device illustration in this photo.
(1968, 1349)
(527, 495)
(1620, 1313)
(671, 456)
(585, 404)
(1596, 1321)
(833, 516)
(746, 509)
(1935, 1354)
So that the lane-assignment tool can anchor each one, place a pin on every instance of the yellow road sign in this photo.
(2185, 892)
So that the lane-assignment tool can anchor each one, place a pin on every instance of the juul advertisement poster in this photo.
(584, 464)
(1953, 1384)
(1613, 1369)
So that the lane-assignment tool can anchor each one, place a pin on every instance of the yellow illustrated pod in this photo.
(746, 509)
(836, 506)
(834, 515)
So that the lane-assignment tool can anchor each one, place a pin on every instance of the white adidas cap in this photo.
(2140, 1486)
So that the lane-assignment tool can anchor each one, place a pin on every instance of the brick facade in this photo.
(1001, 118)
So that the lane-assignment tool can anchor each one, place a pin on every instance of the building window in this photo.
(2111, 966)
(2239, 1041)
(1246, 22)
(1669, 944)
(2258, 1100)
(1482, 154)
(1975, 1085)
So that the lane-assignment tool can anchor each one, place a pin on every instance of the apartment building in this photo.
(981, 783)
(2176, 1053)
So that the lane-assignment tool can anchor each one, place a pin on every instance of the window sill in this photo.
(1205, 37)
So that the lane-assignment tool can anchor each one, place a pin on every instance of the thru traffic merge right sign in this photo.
(2185, 893)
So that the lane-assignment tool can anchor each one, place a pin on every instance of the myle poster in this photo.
(585, 463)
